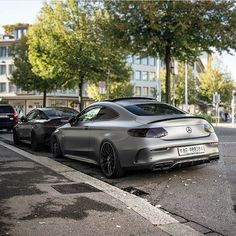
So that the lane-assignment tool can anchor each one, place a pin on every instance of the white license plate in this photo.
(190, 150)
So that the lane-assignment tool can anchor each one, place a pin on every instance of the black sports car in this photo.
(38, 125)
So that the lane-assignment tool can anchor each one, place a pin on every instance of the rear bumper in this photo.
(7, 124)
(44, 135)
(184, 162)
(157, 158)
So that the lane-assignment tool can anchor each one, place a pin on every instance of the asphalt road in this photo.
(204, 196)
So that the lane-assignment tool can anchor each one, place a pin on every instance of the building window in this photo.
(11, 69)
(9, 52)
(2, 87)
(12, 88)
(145, 91)
(153, 76)
(137, 60)
(152, 61)
(2, 69)
(130, 59)
(137, 75)
(145, 61)
(145, 75)
(138, 91)
(153, 92)
(3, 51)
(132, 77)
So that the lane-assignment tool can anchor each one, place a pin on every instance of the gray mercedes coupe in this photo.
(135, 133)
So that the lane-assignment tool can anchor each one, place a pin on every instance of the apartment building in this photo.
(146, 76)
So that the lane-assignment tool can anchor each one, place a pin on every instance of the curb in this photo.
(141, 206)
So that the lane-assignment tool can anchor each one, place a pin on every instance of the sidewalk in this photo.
(224, 125)
(40, 196)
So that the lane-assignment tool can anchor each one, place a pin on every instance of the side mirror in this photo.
(23, 119)
(72, 120)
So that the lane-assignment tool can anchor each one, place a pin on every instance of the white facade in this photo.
(145, 76)
(6, 67)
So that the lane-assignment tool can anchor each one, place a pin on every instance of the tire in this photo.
(55, 148)
(34, 142)
(16, 140)
(109, 161)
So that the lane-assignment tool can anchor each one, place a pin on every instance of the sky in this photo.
(25, 11)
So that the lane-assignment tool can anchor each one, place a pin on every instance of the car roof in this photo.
(6, 105)
(55, 108)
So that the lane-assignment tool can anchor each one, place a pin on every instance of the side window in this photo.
(106, 113)
(90, 114)
(40, 116)
(31, 115)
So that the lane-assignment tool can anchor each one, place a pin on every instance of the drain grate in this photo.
(135, 191)
(75, 188)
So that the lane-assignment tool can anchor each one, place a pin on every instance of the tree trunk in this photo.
(168, 70)
(81, 95)
(44, 97)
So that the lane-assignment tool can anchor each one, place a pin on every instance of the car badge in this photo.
(189, 130)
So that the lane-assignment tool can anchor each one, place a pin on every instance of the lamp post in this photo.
(186, 87)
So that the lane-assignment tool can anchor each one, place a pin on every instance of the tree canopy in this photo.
(178, 30)
(212, 80)
(69, 44)
(23, 76)
(116, 89)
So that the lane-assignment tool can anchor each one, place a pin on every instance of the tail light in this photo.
(15, 116)
(208, 128)
(148, 132)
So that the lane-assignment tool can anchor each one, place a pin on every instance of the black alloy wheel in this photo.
(109, 161)
(16, 140)
(55, 148)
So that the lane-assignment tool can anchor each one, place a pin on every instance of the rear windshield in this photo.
(6, 109)
(153, 109)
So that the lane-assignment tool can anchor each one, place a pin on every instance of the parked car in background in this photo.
(8, 117)
(37, 126)
(135, 133)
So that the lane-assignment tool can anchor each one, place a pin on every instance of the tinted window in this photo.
(90, 114)
(153, 109)
(31, 115)
(41, 116)
(106, 113)
(6, 109)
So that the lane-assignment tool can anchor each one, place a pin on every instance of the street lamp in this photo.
(186, 87)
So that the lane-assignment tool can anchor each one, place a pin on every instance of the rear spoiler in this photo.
(178, 118)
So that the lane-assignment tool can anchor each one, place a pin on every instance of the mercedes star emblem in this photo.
(189, 130)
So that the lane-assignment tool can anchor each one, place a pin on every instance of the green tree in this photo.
(178, 30)
(177, 85)
(23, 76)
(69, 44)
(212, 80)
(116, 90)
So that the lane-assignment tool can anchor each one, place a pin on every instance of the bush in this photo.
(209, 118)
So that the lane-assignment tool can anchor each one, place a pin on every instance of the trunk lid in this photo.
(181, 127)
